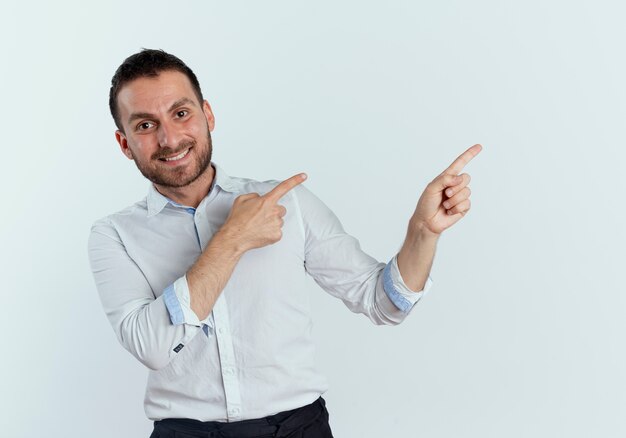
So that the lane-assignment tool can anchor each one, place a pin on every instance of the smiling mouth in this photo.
(180, 156)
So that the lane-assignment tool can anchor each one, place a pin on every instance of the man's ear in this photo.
(208, 113)
(121, 139)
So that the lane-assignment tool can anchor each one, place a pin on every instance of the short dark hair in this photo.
(147, 63)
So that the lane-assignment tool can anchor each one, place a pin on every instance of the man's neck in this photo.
(192, 194)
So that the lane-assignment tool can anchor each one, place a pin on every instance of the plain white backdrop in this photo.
(522, 334)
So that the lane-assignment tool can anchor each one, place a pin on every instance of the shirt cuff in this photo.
(397, 290)
(178, 302)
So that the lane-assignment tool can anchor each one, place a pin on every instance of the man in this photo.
(203, 280)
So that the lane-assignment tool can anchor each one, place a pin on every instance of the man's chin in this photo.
(176, 181)
(173, 183)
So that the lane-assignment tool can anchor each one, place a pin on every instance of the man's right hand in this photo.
(257, 220)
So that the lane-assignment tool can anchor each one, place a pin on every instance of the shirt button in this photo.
(233, 411)
(220, 330)
(228, 371)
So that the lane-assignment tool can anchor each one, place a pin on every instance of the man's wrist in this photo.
(419, 233)
(228, 241)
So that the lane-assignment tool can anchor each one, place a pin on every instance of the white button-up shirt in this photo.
(253, 355)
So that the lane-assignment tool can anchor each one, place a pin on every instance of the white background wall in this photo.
(523, 332)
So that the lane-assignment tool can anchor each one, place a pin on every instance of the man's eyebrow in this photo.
(135, 116)
(179, 102)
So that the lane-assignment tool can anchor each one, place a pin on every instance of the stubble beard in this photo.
(177, 177)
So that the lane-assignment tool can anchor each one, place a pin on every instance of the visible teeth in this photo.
(177, 157)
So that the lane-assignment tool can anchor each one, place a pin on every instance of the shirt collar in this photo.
(226, 182)
(157, 202)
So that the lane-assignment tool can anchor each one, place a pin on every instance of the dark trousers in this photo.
(309, 421)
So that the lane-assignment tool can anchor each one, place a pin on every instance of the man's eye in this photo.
(145, 125)
(182, 113)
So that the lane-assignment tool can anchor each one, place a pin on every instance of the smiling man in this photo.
(203, 282)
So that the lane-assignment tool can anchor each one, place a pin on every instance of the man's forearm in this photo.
(209, 275)
(254, 221)
(415, 258)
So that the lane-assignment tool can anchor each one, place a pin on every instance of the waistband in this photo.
(277, 425)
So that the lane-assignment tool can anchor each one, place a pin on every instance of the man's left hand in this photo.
(446, 199)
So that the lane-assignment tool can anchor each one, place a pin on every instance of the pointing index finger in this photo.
(457, 166)
(281, 189)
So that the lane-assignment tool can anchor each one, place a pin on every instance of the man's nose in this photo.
(168, 135)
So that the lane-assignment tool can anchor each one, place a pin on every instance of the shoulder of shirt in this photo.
(139, 207)
(250, 185)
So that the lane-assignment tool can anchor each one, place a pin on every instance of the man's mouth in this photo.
(176, 157)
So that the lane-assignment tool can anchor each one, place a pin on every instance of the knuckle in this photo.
(246, 196)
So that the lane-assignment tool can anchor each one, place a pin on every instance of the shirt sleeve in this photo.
(397, 290)
(143, 323)
(337, 263)
(178, 303)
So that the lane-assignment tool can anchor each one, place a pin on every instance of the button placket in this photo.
(203, 229)
(227, 363)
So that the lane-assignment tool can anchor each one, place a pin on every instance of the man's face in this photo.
(167, 132)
